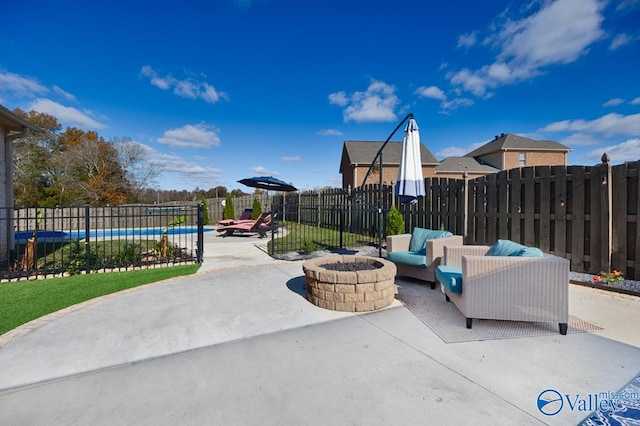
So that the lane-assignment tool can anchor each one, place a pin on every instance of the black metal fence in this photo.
(49, 242)
(331, 219)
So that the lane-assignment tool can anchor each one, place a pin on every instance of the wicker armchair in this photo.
(420, 264)
(513, 288)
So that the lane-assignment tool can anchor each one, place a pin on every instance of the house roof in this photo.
(362, 153)
(11, 122)
(464, 164)
(509, 142)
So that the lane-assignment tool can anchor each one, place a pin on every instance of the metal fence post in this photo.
(380, 219)
(465, 208)
(200, 243)
(87, 247)
(341, 210)
(606, 204)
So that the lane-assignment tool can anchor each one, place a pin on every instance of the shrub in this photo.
(130, 254)
(229, 212)
(77, 260)
(395, 222)
(307, 246)
(256, 209)
(205, 212)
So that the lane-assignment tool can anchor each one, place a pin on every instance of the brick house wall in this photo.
(389, 175)
(534, 158)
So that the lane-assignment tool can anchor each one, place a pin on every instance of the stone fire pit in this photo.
(353, 288)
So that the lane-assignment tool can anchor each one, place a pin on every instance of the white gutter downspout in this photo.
(8, 160)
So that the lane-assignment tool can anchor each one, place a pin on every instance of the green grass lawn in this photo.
(23, 301)
(307, 238)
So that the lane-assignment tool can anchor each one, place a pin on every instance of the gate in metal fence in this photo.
(49, 242)
(304, 228)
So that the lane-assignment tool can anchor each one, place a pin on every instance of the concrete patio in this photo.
(237, 343)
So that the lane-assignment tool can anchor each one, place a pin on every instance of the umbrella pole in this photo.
(410, 115)
(380, 218)
(364, 181)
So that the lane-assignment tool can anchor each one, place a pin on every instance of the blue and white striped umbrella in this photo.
(410, 183)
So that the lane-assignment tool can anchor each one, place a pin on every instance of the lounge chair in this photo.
(261, 225)
(244, 217)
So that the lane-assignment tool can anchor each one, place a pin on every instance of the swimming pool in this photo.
(21, 237)
(64, 236)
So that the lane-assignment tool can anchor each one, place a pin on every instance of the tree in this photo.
(217, 192)
(71, 168)
(33, 161)
(205, 212)
(256, 209)
(228, 212)
(94, 168)
(139, 173)
(237, 193)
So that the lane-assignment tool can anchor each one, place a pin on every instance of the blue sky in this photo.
(220, 90)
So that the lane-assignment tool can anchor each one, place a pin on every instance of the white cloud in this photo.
(635, 101)
(163, 83)
(291, 159)
(195, 136)
(580, 139)
(190, 174)
(467, 40)
(329, 132)
(190, 88)
(620, 40)
(20, 86)
(446, 105)
(608, 125)
(431, 92)
(68, 96)
(456, 103)
(375, 104)
(263, 171)
(625, 151)
(613, 102)
(338, 98)
(68, 115)
(451, 151)
(558, 33)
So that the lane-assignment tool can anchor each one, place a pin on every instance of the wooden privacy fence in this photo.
(216, 208)
(587, 214)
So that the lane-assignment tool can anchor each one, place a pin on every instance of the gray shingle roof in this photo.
(509, 142)
(363, 152)
(462, 164)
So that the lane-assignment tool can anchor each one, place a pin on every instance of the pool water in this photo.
(63, 236)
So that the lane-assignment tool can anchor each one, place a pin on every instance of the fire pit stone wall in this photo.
(350, 291)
